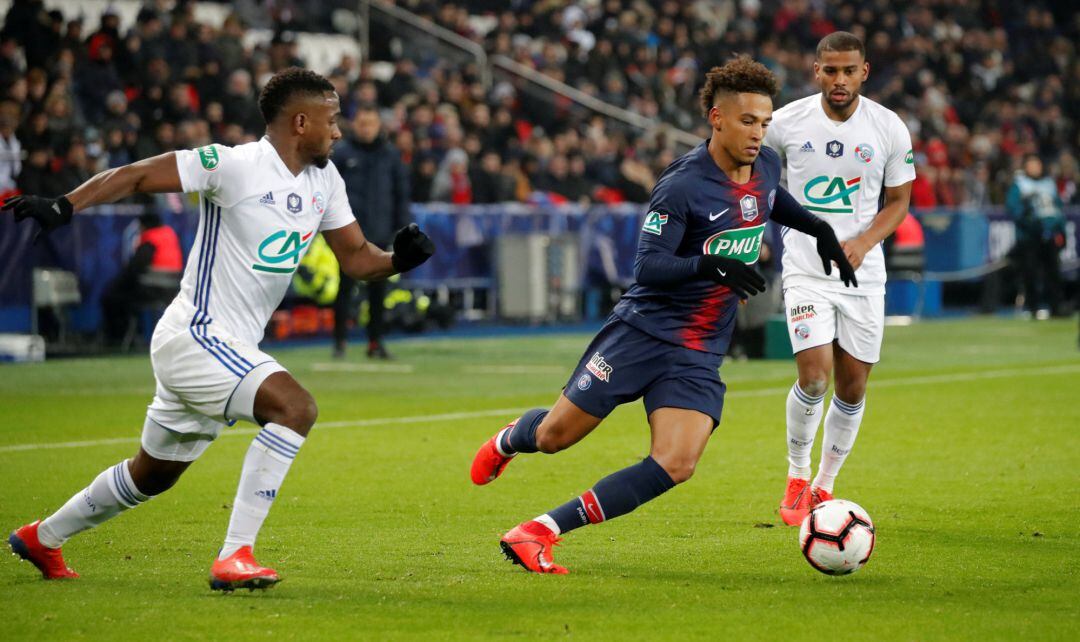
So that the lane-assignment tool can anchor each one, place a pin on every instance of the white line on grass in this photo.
(362, 367)
(510, 412)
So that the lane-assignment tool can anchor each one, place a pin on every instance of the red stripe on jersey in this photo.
(702, 322)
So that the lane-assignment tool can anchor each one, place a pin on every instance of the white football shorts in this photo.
(815, 317)
(205, 381)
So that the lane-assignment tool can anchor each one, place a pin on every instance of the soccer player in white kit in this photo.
(260, 206)
(849, 160)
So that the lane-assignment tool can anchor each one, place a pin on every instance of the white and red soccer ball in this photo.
(837, 537)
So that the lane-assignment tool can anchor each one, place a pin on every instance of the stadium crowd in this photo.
(979, 85)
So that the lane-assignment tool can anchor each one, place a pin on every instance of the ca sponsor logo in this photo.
(280, 252)
(208, 157)
(831, 194)
(654, 223)
(743, 243)
(599, 368)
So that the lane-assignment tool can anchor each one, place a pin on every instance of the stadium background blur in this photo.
(467, 98)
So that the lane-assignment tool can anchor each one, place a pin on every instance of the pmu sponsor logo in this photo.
(831, 194)
(802, 312)
(742, 243)
(599, 368)
(280, 252)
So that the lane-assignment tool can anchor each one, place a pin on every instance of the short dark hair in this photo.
(841, 41)
(288, 83)
(740, 75)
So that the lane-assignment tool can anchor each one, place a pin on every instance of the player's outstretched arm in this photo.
(157, 174)
(367, 262)
(787, 212)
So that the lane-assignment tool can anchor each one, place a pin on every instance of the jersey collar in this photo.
(832, 123)
(278, 163)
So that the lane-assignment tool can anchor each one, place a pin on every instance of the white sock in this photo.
(803, 417)
(111, 493)
(265, 465)
(546, 520)
(841, 427)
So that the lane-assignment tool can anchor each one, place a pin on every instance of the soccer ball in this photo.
(837, 537)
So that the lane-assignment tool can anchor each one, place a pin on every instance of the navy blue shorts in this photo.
(623, 364)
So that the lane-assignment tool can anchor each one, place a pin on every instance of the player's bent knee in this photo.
(814, 386)
(680, 470)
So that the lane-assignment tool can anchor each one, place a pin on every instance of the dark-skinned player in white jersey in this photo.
(260, 204)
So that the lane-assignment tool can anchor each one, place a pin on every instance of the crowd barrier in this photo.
(960, 245)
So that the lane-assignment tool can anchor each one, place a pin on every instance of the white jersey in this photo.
(257, 221)
(837, 171)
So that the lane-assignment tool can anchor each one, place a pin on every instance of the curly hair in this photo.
(738, 76)
(288, 83)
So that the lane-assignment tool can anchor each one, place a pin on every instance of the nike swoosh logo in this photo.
(713, 217)
(722, 273)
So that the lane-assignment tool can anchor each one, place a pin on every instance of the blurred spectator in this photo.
(10, 148)
(151, 274)
(1035, 206)
(377, 184)
(451, 183)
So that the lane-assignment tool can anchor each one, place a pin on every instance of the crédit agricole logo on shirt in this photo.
(831, 194)
(280, 252)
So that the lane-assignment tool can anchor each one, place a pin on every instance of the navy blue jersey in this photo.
(696, 209)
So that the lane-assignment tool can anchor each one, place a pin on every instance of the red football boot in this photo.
(240, 570)
(489, 463)
(796, 503)
(529, 544)
(819, 495)
(25, 543)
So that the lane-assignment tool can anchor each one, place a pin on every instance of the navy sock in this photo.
(522, 437)
(617, 494)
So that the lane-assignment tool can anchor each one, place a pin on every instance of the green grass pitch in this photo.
(968, 463)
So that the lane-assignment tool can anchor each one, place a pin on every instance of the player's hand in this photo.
(737, 276)
(50, 213)
(830, 251)
(411, 248)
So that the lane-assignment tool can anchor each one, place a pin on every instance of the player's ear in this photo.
(300, 122)
(865, 70)
(714, 117)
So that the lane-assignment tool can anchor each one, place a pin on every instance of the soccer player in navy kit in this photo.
(666, 338)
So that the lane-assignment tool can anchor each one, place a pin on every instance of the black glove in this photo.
(50, 213)
(411, 248)
(828, 248)
(737, 276)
